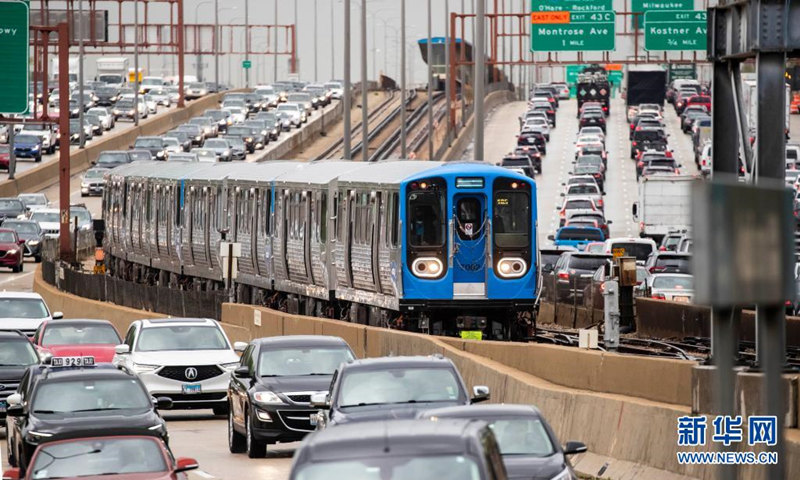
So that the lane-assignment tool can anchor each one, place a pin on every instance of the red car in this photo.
(77, 338)
(123, 457)
(5, 157)
(11, 250)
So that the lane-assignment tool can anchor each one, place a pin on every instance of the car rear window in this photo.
(649, 135)
(674, 264)
(579, 204)
(633, 249)
(587, 263)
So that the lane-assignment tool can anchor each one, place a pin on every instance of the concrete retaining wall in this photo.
(636, 435)
(47, 174)
(303, 137)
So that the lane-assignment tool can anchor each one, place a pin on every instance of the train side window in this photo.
(336, 202)
(178, 196)
(395, 219)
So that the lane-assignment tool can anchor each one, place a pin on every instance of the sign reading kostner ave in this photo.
(675, 30)
(572, 25)
(14, 68)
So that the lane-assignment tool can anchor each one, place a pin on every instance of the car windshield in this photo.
(220, 143)
(84, 217)
(11, 204)
(88, 395)
(98, 457)
(22, 308)
(47, 217)
(149, 143)
(579, 205)
(26, 139)
(286, 362)
(288, 108)
(649, 136)
(673, 263)
(239, 131)
(385, 467)
(587, 263)
(398, 385)
(17, 352)
(580, 234)
(180, 338)
(109, 157)
(632, 249)
(235, 142)
(7, 237)
(22, 227)
(125, 105)
(93, 174)
(672, 282)
(55, 334)
(33, 199)
(582, 189)
(171, 142)
(522, 437)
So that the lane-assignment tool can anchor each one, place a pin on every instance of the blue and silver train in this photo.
(423, 246)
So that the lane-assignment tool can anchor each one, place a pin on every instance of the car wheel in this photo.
(221, 410)
(39, 158)
(236, 441)
(255, 448)
(21, 266)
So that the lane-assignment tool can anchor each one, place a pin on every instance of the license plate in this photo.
(72, 361)
(681, 299)
(3, 406)
(313, 419)
(192, 388)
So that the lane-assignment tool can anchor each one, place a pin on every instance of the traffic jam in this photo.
(81, 399)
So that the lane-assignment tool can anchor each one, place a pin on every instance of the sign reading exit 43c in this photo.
(14, 68)
(572, 25)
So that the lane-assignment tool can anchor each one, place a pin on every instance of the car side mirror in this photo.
(242, 372)
(20, 242)
(552, 238)
(571, 448)
(563, 194)
(93, 162)
(609, 222)
(14, 400)
(480, 393)
(184, 464)
(320, 400)
(239, 346)
(163, 403)
(57, 315)
(122, 349)
(635, 209)
(547, 269)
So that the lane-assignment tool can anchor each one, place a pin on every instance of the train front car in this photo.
(469, 251)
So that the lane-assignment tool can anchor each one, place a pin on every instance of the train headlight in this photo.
(511, 267)
(427, 267)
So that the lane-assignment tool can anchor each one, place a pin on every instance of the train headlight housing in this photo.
(512, 267)
(427, 267)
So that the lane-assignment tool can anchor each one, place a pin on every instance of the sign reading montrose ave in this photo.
(572, 25)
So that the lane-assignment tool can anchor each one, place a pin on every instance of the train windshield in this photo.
(426, 224)
(512, 217)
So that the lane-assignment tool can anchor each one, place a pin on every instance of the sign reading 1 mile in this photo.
(675, 30)
(572, 25)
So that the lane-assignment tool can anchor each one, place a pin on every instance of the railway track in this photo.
(391, 147)
(421, 135)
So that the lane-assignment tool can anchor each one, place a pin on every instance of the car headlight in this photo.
(131, 112)
(33, 243)
(84, 185)
(34, 436)
(511, 267)
(427, 267)
(267, 398)
(159, 154)
(229, 366)
(35, 147)
(225, 153)
(198, 138)
(248, 139)
(116, 112)
(143, 368)
(13, 251)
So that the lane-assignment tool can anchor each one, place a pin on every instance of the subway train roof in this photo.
(321, 172)
(392, 171)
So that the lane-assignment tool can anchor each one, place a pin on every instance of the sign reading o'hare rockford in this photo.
(14, 68)
(572, 25)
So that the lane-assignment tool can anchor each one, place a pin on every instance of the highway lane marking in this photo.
(16, 277)
(203, 474)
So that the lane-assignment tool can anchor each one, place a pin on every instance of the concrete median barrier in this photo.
(46, 174)
(304, 136)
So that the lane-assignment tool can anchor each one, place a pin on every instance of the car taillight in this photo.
(633, 143)
(667, 153)
(561, 213)
(599, 202)
(659, 296)
(657, 269)
(640, 164)
(641, 226)
(563, 276)
(597, 175)
(551, 111)
(602, 287)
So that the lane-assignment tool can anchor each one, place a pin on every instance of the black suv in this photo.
(52, 403)
(391, 388)
(573, 271)
(17, 353)
(648, 138)
(270, 392)
(522, 162)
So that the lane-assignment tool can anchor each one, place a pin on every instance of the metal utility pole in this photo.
(403, 86)
(461, 75)
(430, 83)
(316, 42)
(82, 141)
(447, 58)
(217, 46)
(275, 47)
(247, 41)
(364, 86)
(333, 44)
(480, 77)
(136, 61)
(347, 95)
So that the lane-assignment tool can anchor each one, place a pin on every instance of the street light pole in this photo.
(364, 108)
(348, 88)
(247, 41)
(217, 46)
(136, 62)
(198, 46)
(275, 47)
(316, 43)
(480, 77)
(430, 84)
(82, 141)
(333, 48)
(447, 59)
(403, 86)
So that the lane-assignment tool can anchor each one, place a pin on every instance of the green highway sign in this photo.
(644, 6)
(675, 30)
(679, 70)
(247, 64)
(572, 25)
(14, 63)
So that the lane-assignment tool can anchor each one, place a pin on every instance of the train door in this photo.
(376, 209)
(469, 245)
